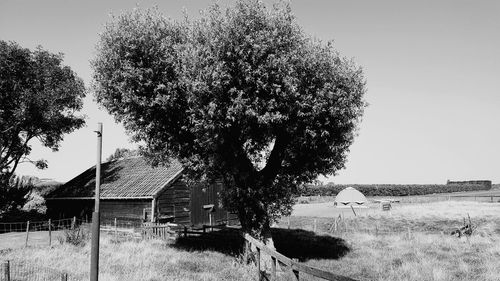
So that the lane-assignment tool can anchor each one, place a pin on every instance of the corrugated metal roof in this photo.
(128, 178)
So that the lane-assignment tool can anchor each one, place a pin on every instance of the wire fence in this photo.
(24, 271)
(48, 225)
(342, 227)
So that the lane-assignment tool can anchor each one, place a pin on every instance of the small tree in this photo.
(38, 100)
(242, 94)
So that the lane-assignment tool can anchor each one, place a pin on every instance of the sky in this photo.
(432, 69)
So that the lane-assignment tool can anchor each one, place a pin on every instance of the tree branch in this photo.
(269, 172)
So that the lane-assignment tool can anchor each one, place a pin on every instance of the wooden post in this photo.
(64, 277)
(185, 231)
(6, 270)
(27, 233)
(257, 261)
(247, 251)
(50, 232)
(116, 229)
(153, 210)
(288, 222)
(353, 211)
(273, 268)
(315, 223)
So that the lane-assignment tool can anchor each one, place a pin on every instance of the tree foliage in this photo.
(38, 100)
(15, 193)
(241, 94)
(122, 153)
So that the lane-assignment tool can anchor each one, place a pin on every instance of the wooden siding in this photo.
(177, 203)
(63, 209)
(205, 195)
(173, 203)
(125, 210)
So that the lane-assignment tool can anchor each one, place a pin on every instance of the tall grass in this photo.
(129, 260)
(428, 252)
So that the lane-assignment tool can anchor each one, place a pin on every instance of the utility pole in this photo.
(94, 250)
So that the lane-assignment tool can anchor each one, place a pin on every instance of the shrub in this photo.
(390, 189)
(77, 236)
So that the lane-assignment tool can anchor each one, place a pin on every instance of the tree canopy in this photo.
(39, 98)
(241, 94)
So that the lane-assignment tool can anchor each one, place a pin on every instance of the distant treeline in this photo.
(395, 189)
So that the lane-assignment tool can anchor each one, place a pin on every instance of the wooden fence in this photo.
(158, 230)
(295, 266)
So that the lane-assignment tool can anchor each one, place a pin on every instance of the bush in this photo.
(77, 236)
(390, 189)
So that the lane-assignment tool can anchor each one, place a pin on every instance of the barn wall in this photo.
(63, 209)
(125, 211)
(204, 195)
(173, 203)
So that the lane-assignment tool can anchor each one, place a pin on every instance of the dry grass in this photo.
(428, 253)
(420, 257)
(129, 260)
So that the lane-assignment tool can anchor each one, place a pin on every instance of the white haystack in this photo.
(350, 197)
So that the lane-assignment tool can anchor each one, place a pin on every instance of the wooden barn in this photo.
(132, 191)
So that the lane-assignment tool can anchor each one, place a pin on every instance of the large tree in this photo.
(241, 94)
(39, 98)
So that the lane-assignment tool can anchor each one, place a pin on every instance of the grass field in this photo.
(411, 242)
(129, 260)
(382, 248)
(18, 239)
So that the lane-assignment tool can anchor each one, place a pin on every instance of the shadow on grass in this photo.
(293, 243)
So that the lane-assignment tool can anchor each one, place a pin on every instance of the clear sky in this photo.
(432, 70)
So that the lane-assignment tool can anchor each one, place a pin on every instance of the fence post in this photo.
(73, 222)
(64, 277)
(50, 232)
(116, 229)
(6, 270)
(247, 250)
(257, 261)
(315, 223)
(27, 233)
(185, 231)
(288, 222)
(273, 268)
